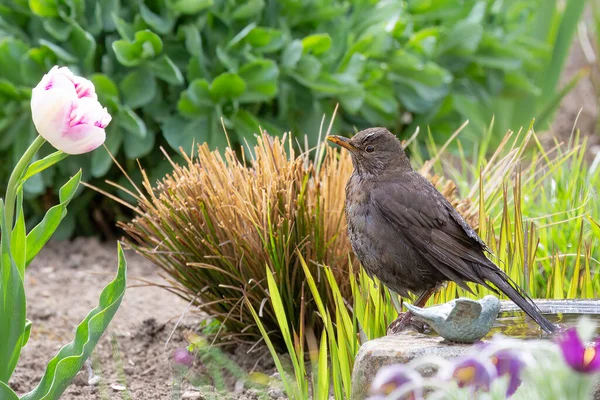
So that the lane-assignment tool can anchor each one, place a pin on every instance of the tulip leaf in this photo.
(12, 306)
(41, 233)
(139, 88)
(26, 333)
(7, 393)
(70, 358)
(18, 238)
(40, 165)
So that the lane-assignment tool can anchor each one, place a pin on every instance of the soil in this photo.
(134, 358)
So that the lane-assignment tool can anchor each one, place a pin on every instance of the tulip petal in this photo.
(66, 112)
(82, 138)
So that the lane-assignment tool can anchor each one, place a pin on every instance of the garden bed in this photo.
(64, 283)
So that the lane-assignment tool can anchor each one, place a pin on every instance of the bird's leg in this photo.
(405, 320)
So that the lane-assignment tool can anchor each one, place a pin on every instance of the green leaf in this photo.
(11, 54)
(7, 393)
(105, 87)
(46, 162)
(138, 88)
(18, 237)
(27, 332)
(125, 29)
(248, 9)
(136, 148)
(12, 306)
(164, 68)
(42, 232)
(44, 8)
(57, 28)
(180, 132)
(266, 40)
(83, 43)
(160, 23)
(246, 124)
(227, 86)
(69, 360)
(292, 54)
(35, 63)
(261, 77)
(109, 9)
(190, 6)
(317, 44)
(132, 123)
(145, 46)
(58, 51)
(193, 40)
(101, 161)
(196, 100)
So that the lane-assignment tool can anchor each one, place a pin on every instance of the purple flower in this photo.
(475, 373)
(183, 357)
(391, 378)
(509, 363)
(581, 358)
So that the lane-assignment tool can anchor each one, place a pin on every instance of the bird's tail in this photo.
(507, 286)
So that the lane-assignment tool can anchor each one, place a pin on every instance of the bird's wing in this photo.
(424, 217)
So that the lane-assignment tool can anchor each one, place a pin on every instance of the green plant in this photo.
(169, 71)
(550, 33)
(19, 247)
(216, 222)
(535, 209)
(533, 251)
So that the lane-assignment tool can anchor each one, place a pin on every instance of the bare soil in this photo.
(133, 359)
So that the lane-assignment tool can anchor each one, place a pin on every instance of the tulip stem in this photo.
(15, 177)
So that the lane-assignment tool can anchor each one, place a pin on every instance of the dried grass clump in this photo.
(218, 223)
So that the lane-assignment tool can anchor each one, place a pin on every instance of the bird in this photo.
(407, 234)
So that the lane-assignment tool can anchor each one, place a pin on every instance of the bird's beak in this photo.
(341, 141)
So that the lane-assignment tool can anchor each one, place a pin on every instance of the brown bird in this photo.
(407, 234)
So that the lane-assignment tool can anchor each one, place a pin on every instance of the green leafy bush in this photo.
(169, 70)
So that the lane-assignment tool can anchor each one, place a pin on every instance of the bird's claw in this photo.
(406, 321)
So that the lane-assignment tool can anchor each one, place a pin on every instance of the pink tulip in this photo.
(66, 112)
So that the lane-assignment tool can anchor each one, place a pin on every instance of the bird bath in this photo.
(407, 346)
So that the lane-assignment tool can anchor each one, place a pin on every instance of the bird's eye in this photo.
(369, 149)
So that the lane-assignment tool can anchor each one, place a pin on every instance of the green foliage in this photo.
(169, 71)
(553, 254)
(536, 209)
(17, 250)
(69, 360)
